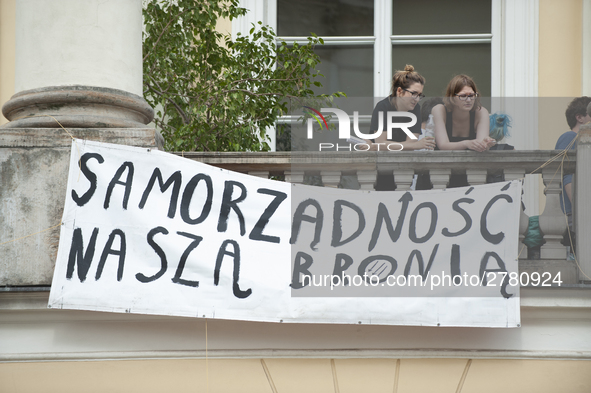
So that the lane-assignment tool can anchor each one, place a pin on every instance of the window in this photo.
(365, 41)
(347, 27)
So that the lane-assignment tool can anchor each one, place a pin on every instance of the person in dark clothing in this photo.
(577, 113)
(407, 90)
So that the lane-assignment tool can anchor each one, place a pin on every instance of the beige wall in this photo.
(224, 26)
(7, 16)
(587, 48)
(300, 375)
(561, 35)
(560, 68)
(560, 64)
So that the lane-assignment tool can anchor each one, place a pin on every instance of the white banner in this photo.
(149, 232)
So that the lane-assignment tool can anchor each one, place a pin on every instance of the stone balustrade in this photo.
(330, 168)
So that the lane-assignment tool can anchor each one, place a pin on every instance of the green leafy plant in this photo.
(212, 93)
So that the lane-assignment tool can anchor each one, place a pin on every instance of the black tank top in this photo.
(449, 128)
(459, 180)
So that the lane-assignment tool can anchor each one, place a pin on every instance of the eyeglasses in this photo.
(414, 94)
(466, 97)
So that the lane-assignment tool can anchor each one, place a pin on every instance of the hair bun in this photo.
(409, 68)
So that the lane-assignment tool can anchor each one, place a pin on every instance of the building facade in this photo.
(532, 48)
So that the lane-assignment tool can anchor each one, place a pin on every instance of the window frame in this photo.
(513, 40)
(383, 42)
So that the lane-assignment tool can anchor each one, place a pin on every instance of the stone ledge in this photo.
(420, 162)
(58, 137)
(568, 269)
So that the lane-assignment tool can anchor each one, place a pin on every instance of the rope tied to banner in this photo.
(67, 132)
(32, 234)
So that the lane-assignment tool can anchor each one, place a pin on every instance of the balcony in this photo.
(360, 170)
(34, 268)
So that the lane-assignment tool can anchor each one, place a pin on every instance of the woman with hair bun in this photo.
(407, 90)
(461, 123)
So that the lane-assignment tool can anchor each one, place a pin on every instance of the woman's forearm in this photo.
(461, 145)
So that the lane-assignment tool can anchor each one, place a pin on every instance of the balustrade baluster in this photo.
(403, 179)
(367, 179)
(552, 220)
(294, 177)
(439, 178)
(331, 178)
(476, 177)
(263, 174)
(510, 175)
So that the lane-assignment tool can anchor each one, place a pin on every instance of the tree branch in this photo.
(180, 111)
(162, 33)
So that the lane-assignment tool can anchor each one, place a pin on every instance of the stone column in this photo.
(79, 63)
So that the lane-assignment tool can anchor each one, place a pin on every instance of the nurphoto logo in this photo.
(359, 142)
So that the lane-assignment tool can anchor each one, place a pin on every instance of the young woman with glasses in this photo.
(407, 91)
(461, 122)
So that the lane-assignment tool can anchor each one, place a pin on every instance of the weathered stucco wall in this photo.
(33, 173)
(33, 188)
